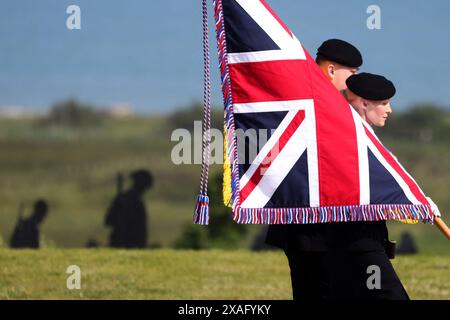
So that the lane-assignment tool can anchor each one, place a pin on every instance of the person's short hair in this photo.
(320, 59)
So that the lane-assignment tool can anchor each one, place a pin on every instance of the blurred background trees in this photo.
(72, 161)
(72, 113)
(185, 117)
(422, 123)
(222, 232)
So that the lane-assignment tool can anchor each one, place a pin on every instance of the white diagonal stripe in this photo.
(292, 106)
(272, 27)
(411, 197)
(274, 139)
(306, 137)
(395, 158)
(278, 170)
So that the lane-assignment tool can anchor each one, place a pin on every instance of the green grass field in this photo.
(170, 274)
(74, 169)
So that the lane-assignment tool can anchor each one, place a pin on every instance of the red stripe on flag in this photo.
(337, 148)
(270, 81)
(272, 155)
(394, 164)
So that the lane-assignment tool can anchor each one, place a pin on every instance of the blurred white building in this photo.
(17, 112)
(118, 111)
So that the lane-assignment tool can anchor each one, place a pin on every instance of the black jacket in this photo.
(349, 236)
(311, 237)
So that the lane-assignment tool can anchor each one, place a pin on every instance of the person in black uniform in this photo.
(306, 246)
(355, 247)
(26, 232)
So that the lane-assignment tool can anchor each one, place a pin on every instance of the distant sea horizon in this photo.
(148, 54)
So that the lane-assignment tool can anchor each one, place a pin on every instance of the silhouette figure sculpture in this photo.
(127, 215)
(26, 232)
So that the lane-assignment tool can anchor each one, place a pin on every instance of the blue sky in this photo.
(149, 53)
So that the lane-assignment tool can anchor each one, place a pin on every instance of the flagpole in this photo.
(440, 224)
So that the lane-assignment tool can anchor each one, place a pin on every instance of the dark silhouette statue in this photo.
(26, 232)
(127, 215)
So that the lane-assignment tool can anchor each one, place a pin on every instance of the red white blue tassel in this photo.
(201, 212)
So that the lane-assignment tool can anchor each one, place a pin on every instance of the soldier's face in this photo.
(341, 74)
(337, 73)
(377, 112)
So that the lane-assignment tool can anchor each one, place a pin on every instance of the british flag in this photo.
(321, 162)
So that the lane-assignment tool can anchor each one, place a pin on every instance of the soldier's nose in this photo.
(389, 109)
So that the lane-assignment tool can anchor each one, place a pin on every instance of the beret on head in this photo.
(341, 52)
(371, 86)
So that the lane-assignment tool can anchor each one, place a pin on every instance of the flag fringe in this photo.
(373, 212)
(226, 190)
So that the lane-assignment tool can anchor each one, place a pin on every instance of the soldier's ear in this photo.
(331, 70)
(365, 103)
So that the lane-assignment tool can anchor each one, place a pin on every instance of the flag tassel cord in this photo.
(201, 212)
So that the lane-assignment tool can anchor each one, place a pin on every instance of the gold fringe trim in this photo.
(226, 172)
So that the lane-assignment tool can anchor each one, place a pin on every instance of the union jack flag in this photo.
(321, 162)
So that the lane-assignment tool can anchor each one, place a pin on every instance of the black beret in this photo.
(341, 52)
(371, 86)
